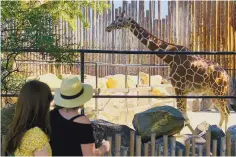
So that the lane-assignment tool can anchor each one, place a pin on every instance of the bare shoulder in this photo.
(83, 119)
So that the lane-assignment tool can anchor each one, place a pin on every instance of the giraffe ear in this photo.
(122, 14)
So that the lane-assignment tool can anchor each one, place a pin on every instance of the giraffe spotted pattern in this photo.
(188, 73)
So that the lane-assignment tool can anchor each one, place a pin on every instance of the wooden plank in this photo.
(213, 28)
(177, 22)
(197, 40)
(159, 19)
(159, 27)
(170, 29)
(217, 27)
(186, 30)
(201, 35)
(180, 22)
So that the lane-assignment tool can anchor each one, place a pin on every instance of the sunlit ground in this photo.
(210, 117)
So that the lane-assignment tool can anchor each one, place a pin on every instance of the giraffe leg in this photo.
(226, 123)
(182, 107)
(224, 113)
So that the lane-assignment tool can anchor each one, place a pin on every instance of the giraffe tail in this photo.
(232, 92)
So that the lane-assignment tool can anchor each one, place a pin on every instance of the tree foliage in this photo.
(30, 24)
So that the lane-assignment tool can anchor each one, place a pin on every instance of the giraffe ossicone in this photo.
(189, 73)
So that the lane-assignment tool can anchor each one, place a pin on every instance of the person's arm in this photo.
(88, 142)
(90, 150)
(42, 152)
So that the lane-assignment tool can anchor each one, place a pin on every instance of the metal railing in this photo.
(82, 65)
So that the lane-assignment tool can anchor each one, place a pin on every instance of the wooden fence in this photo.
(151, 149)
(199, 25)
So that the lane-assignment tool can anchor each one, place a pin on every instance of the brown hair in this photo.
(32, 109)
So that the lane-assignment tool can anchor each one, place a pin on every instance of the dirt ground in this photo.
(211, 117)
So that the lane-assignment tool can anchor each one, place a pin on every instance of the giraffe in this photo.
(187, 74)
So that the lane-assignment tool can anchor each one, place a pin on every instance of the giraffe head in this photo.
(121, 21)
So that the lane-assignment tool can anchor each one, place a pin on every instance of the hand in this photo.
(106, 146)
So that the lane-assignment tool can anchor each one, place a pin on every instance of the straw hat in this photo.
(72, 93)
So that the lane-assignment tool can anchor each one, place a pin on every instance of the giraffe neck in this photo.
(152, 42)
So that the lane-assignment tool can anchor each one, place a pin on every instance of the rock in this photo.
(207, 104)
(155, 79)
(232, 130)
(118, 81)
(7, 114)
(196, 106)
(203, 127)
(102, 129)
(163, 120)
(51, 80)
(216, 133)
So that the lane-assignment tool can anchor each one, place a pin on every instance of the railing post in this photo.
(208, 143)
(153, 142)
(193, 146)
(109, 138)
(173, 146)
(228, 144)
(222, 146)
(138, 145)
(131, 146)
(214, 150)
(165, 141)
(117, 144)
(96, 74)
(82, 66)
(187, 148)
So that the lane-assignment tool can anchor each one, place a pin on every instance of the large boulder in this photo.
(103, 129)
(232, 131)
(216, 133)
(155, 79)
(118, 81)
(51, 80)
(163, 120)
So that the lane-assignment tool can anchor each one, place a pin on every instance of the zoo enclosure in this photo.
(84, 51)
(198, 25)
(150, 148)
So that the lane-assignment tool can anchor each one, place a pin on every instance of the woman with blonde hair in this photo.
(72, 133)
(29, 131)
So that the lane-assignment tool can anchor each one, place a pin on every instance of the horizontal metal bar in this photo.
(150, 96)
(99, 64)
(146, 96)
(128, 52)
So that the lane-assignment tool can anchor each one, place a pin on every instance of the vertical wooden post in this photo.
(187, 148)
(222, 146)
(208, 143)
(214, 149)
(165, 139)
(131, 146)
(145, 149)
(117, 144)
(200, 150)
(110, 141)
(153, 138)
(173, 146)
(138, 145)
(180, 152)
(193, 146)
(228, 143)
